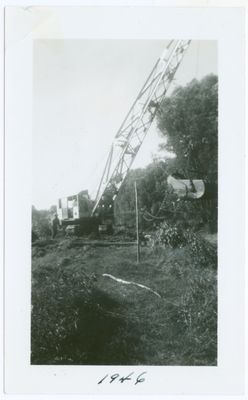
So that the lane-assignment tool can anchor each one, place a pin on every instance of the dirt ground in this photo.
(80, 316)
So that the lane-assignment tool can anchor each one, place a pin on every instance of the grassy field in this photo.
(80, 316)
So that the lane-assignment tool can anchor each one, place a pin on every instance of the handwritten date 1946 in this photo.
(118, 378)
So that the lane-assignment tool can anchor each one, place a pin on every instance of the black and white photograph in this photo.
(124, 134)
(124, 245)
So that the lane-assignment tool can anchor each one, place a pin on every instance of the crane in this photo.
(129, 138)
(136, 124)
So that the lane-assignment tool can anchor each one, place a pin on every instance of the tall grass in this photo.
(81, 317)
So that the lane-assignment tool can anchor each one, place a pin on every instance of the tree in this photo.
(41, 227)
(189, 121)
(152, 190)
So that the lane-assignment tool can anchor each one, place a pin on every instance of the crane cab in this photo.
(73, 207)
(76, 211)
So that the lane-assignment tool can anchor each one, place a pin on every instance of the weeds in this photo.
(78, 317)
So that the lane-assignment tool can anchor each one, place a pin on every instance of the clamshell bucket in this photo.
(187, 189)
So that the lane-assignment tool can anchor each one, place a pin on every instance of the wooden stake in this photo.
(137, 222)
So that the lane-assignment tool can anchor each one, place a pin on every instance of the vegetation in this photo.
(41, 223)
(81, 317)
(188, 121)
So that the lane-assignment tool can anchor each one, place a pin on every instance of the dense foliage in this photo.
(41, 223)
(203, 253)
(188, 121)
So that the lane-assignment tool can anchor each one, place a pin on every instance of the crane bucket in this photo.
(186, 188)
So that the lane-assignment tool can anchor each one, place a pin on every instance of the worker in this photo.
(55, 225)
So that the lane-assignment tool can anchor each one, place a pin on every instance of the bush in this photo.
(202, 252)
(172, 236)
(41, 225)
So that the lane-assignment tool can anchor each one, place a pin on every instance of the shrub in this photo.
(172, 236)
(203, 253)
(41, 225)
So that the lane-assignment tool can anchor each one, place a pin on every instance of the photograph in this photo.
(124, 202)
(124, 199)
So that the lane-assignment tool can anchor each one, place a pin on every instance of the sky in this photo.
(82, 90)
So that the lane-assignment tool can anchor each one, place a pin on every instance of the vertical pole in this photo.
(137, 222)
